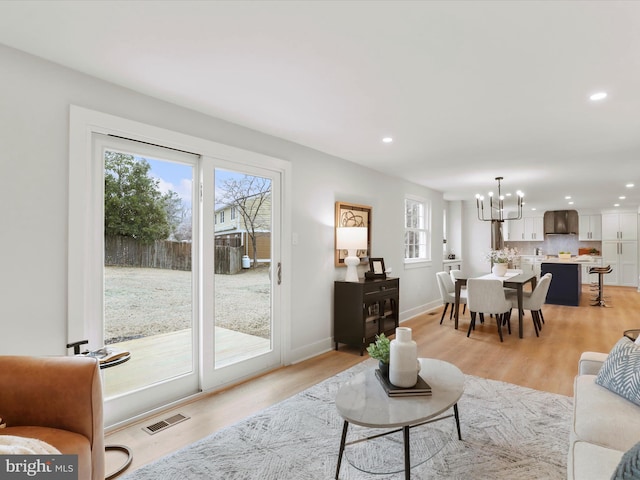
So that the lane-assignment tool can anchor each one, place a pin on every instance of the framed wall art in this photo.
(353, 215)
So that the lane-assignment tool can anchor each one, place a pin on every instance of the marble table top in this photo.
(362, 400)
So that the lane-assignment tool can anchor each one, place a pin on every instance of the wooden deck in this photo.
(158, 357)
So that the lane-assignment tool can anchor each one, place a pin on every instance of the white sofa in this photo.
(604, 424)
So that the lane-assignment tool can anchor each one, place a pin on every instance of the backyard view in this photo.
(151, 304)
(148, 301)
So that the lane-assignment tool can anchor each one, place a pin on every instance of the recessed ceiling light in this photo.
(387, 140)
(570, 203)
(598, 96)
(568, 197)
(533, 208)
(616, 204)
(630, 185)
(621, 197)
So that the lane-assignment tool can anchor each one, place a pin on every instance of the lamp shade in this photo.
(351, 238)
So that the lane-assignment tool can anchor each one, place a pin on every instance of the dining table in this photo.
(516, 281)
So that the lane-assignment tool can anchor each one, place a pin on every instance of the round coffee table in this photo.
(362, 401)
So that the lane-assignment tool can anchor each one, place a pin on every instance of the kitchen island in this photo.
(566, 283)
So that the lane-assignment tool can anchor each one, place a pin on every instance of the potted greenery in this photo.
(380, 351)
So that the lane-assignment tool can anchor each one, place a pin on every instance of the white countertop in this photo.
(447, 260)
(580, 260)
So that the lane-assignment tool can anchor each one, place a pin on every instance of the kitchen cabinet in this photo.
(586, 276)
(620, 248)
(619, 226)
(364, 309)
(534, 229)
(513, 230)
(566, 283)
(452, 265)
(623, 258)
(527, 229)
(531, 263)
(590, 227)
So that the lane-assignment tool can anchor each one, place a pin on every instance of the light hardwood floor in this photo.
(546, 363)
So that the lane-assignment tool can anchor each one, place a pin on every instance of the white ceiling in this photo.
(468, 90)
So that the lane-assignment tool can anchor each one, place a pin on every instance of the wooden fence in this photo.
(228, 260)
(129, 252)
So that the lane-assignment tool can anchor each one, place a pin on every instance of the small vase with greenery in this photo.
(380, 351)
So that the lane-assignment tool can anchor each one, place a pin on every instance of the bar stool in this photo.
(601, 271)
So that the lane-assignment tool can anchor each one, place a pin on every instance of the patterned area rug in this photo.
(508, 432)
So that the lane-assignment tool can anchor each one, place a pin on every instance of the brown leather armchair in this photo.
(57, 400)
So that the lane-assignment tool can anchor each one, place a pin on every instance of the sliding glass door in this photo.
(189, 278)
(175, 257)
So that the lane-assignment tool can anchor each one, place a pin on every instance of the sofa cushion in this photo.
(602, 417)
(591, 362)
(620, 372)
(629, 466)
(591, 462)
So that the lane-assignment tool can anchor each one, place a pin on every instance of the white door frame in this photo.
(84, 247)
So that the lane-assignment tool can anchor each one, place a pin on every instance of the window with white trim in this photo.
(417, 235)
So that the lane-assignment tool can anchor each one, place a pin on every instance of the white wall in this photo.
(476, 240)
(454, 228)
(34, 120)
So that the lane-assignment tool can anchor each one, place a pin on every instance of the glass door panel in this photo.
(244, 270)
(150, 304)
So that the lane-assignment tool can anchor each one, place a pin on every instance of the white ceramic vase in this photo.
(499, 269)
(403, 359)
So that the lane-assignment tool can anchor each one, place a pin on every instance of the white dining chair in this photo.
(448, 294)
(533, 301)
(487, 296)
(455, 274)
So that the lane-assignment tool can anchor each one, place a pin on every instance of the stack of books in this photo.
(421, 388)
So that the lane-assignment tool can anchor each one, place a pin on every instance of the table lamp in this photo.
(351, 239)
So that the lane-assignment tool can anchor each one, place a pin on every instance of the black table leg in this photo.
(455, 412)
(342, 442)
(407, 459)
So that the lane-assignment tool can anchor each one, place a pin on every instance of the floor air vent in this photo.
(164, 424)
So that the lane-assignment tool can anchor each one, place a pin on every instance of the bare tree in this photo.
(251, 197)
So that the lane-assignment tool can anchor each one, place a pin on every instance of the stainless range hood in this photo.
(561, 222)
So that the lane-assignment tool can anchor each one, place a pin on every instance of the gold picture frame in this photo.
(352, 215)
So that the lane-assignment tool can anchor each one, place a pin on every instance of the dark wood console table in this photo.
(364, 309)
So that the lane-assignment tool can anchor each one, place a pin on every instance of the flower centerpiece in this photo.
(500, 260)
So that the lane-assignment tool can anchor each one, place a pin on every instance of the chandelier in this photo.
(496, 206)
